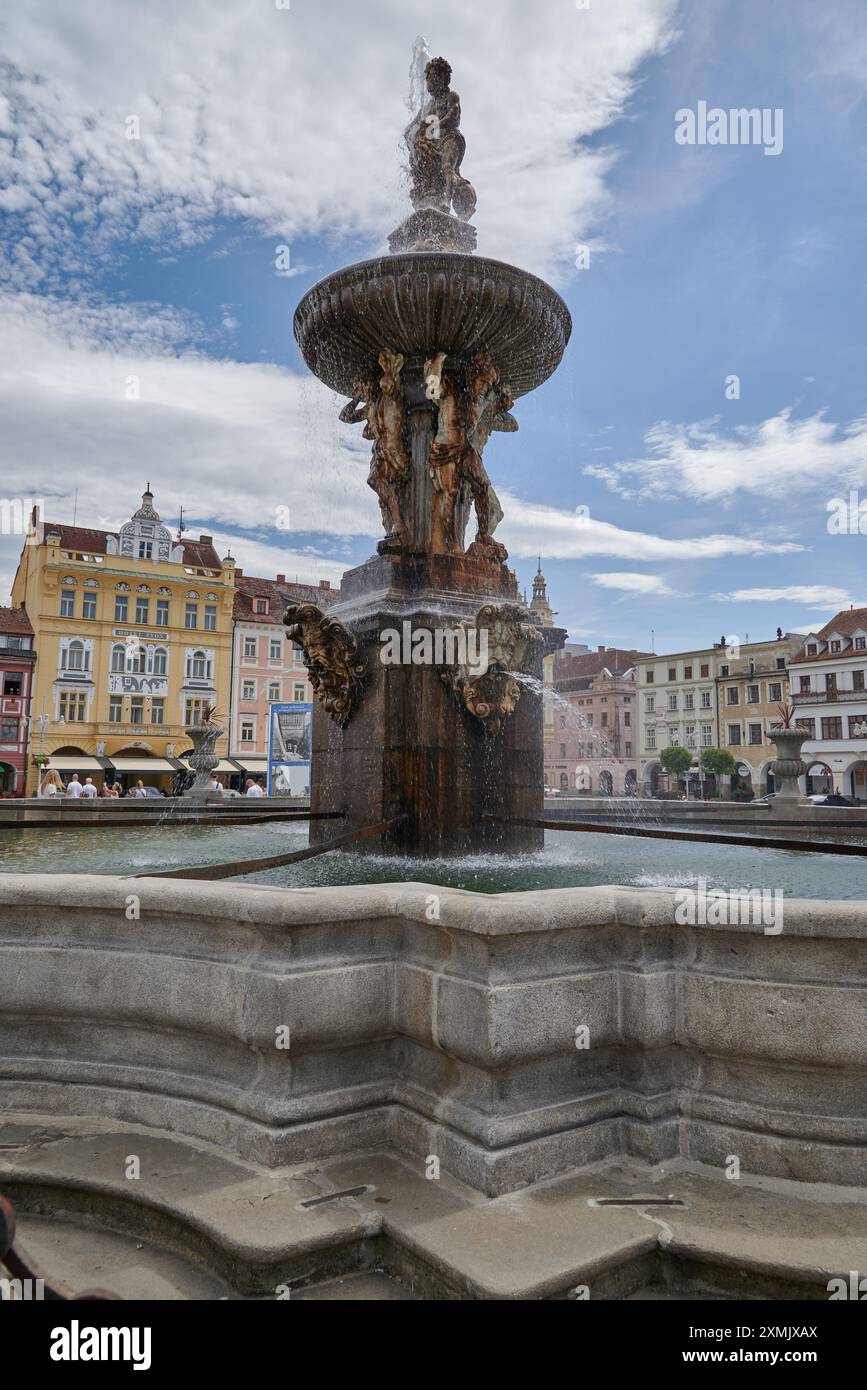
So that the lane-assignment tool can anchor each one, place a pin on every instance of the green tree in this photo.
(676, 760)
(717, 761)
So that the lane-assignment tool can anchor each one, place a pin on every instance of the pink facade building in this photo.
(593, 746)
(266, 667)
(17, 659)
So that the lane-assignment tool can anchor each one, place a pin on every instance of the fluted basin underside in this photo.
(421, 303)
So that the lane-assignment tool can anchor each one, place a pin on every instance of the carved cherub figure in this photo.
(436, 148)
(468, 412)
(383, 410)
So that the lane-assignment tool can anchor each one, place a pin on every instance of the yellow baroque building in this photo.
(133, 634)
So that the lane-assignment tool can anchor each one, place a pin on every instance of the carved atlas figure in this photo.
(436, 148)
(383, 410)
(469, 408)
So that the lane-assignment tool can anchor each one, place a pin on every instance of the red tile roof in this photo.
(569, 666)
(197, 554)
(846, 623)
(15, 620)
(280, 594)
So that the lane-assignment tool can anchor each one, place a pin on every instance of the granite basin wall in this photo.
(440, 1022)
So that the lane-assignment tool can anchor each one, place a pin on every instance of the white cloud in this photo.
(292, 119)
(531, 528)
(632, 583)
(775, 458)
(821, 596)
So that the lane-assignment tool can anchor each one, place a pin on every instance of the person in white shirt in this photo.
(253, 788)
(139, 789)
(88, 789)
(74, 787)
(51, 784)
(215, 785)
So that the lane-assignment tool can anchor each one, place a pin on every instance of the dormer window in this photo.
(860, 644)
(835, 646)
(811, 649)
(261, 605)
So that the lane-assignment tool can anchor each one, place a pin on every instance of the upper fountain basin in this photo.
(420, 303)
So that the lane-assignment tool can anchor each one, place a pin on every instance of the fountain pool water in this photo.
(568, 859)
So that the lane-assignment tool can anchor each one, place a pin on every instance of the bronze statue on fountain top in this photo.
(436, 150)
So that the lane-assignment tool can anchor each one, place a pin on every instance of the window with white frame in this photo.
(250, 646)
(275, 649)
(248, 731)
(248, 690)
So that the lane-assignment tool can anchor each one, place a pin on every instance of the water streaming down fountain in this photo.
(432, 345)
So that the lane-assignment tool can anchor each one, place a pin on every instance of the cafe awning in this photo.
(140, 765)
(224, 765)
(258, 765)
(79, 762)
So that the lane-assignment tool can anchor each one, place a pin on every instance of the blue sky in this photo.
(154, 259)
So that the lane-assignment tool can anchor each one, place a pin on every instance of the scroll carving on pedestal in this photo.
(382, 408)
(470, 406)
(331, 656)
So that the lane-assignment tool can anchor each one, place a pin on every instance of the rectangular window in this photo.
(805, 685)
(690, 735)
(191, 615)
(8, 730)
(689, 700)
(808, 725)
(775, 692)
(780, 663)
(261, 605)
(193, 711)
(67, 603)
(705, 699)
(732, 695)
(687, 673)
(705, 670)
(627, 719)
(649, 703)
(860, 643)
(162, 612)
(298, 694)
(121, 608)
(734, 734)
(250, 646)
(145, 550)
(673, 737)
(650, 678)
(275, 649)
(831, 683)
(857, 680)
(604, 721)
(835, 646)
(88, 607)
(723, 670)
(752, 694)
(832, 728)
(247, 731)
(158, 711)
(136, 709)
(562, 750)
(672, 673)
(274, 690)
(141, 611)
(115, 709)
(248, 690)
(857, 726)
(210, 617)
(672, 701)
(755, 734)
(71, 707)
(628, 750)
(12, 684)
(706, 736)
(650, 739)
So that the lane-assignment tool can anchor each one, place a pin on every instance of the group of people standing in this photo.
(51, 784)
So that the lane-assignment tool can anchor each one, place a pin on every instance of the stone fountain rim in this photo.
(430, 262)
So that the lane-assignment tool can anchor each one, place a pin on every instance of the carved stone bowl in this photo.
(424, 302)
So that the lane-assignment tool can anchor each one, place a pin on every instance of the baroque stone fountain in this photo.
(432, 345)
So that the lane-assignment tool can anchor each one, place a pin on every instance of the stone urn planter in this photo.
(788, 765)
(203, 759)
